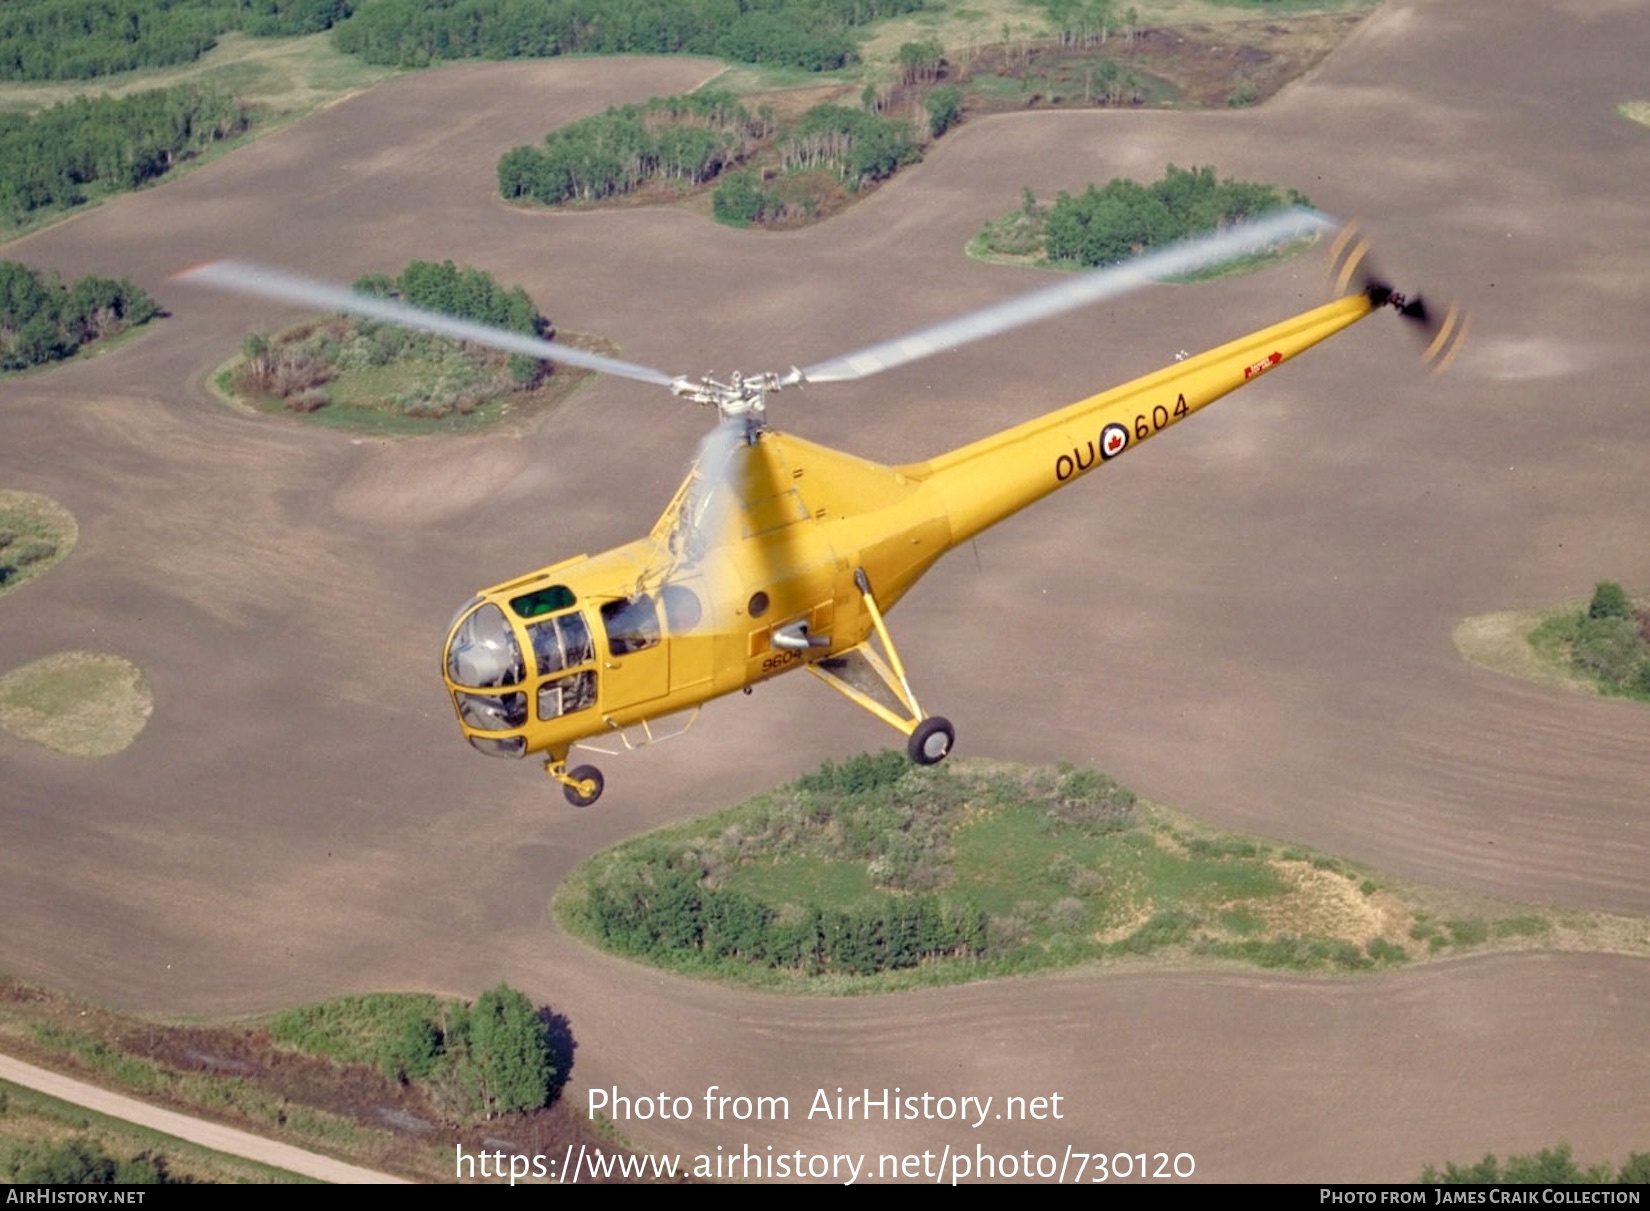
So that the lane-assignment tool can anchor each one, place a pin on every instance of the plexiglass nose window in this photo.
(483, 651)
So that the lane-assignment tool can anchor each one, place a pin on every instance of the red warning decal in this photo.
(1262, 366)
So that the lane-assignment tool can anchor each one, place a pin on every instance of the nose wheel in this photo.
(582, 784)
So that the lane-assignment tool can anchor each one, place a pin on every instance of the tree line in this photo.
(1549, 1167)
(42, 320)
(710, 136)
(478, 1060)
(1104, 225)
(1088, 22)
(1101, 226)
(663, 911)
(850, 146)
(83, 39)
(812, 34)
(857, 146)
(687, 139)
(56, 158)
(82, 1161)
(470, 294)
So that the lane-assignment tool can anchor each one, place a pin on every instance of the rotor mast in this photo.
(743, 398)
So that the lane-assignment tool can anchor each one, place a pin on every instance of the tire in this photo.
(584, 773)
(932, 741)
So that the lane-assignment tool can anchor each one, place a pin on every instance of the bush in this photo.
(82, 1162)
(738, 200)
(1610, 601)
(857, 775)
(510, 1053)
(1382, 951)
(1103, 226)
(42, 321)
(1549, 1167)
(1168, 928)
(1609, 649)
(945, 109)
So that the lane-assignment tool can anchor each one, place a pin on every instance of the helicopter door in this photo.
(636, 667)
(691, 641)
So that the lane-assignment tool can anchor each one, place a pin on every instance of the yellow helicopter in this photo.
(778, 554)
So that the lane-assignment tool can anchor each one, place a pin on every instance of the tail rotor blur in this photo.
(1349, 271)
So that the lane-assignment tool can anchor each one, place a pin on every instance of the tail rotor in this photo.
(1349, 272)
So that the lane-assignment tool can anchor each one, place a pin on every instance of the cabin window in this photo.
(492, 712)
(632, 624)
(500, 746)
(682, 609)
(560, 643)
(542, 601)
(565, 695)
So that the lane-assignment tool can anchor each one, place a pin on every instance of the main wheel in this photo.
(932, 740)
(590, 777)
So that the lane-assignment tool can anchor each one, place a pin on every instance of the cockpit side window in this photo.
(561, 643)
(632, 624)
(563, 696)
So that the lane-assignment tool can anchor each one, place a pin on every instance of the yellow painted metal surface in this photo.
(767, 547)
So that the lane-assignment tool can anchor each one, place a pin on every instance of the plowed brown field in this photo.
(1251, 622)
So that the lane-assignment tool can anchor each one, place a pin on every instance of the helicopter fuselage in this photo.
(784, 556)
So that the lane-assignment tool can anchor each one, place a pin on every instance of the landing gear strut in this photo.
(861, 675)
(582, 784)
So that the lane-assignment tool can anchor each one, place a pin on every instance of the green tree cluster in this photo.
(663, 910)
(19, 552)
(503, 1055)
(78, 40)
(687, 139)
(945, 108)
(1103, 226)
(707, 136)
(740, 200)
(83, 1162)
(1611, 642)
(57, 157)
(306, 366)
(671, 901)
(858, 147)
(83, 39)
(495, 1054)
(471, 294)
(835, 142)
(920, 62)
(812, 34)
(42, 320)
(1549, 1167)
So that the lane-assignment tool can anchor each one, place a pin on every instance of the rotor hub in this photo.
(743, 397)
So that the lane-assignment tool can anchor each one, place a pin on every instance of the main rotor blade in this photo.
(1188, 256)
(290, 288)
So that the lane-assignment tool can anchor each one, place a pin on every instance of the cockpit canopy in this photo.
(483, 652)
(493, 685)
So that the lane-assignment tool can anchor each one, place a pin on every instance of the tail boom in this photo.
(982, 483)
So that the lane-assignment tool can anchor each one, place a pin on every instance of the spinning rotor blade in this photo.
(1444, 336)
(706, 513)
(289, 288)
(1188, 256)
